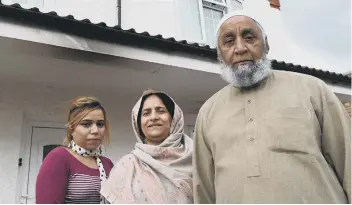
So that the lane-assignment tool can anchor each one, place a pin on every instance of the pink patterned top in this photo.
(64, 179)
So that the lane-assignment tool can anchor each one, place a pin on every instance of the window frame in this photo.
(223, 3)
(214, 5)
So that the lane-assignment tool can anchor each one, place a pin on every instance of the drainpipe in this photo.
(119, 13)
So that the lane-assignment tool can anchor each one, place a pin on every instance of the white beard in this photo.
(246, 75)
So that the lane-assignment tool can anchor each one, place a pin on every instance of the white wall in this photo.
(234, 5)
(154, 16)
(95, 11)
(170, 18)
(180, 19)
(10, 142)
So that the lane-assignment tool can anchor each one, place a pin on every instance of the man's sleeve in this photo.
(336, 137)
(203, 166)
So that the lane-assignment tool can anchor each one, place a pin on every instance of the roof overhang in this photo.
(49, 28)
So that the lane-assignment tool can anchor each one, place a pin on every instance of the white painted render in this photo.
(95, 11)
(56, 38)
(11, 120)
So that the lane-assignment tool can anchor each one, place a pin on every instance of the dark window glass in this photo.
(48, 148)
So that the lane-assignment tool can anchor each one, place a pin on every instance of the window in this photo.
(211, 20)
(218, 3)
(48, 148)
(190, 22)
(212, 12)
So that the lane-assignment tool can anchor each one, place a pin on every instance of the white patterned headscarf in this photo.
(154, 173)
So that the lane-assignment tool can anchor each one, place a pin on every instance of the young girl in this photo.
(74, 172)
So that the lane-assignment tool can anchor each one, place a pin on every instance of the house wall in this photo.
(11, 120)
(95, 11)
(170, 18)
(156, 17)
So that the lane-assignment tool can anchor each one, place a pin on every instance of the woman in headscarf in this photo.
(159, 168)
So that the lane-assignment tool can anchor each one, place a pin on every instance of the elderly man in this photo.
(269, 136)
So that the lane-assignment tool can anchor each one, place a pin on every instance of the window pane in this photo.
(209, 30)
(210, 24)
(217, 15)
(207, 12)
(48, 148)
(190, 26)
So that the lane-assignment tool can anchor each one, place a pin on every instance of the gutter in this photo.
(119, 15)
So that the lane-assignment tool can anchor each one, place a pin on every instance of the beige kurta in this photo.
(287, 141)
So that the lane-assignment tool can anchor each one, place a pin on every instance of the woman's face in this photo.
(155, 120)
(90, 131)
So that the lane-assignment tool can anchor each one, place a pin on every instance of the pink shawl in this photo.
(154, 174)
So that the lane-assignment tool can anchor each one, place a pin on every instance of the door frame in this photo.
(25, 154)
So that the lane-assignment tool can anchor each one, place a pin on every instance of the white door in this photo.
(43, 140)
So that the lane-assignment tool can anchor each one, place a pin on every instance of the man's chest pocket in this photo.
(290, 129)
